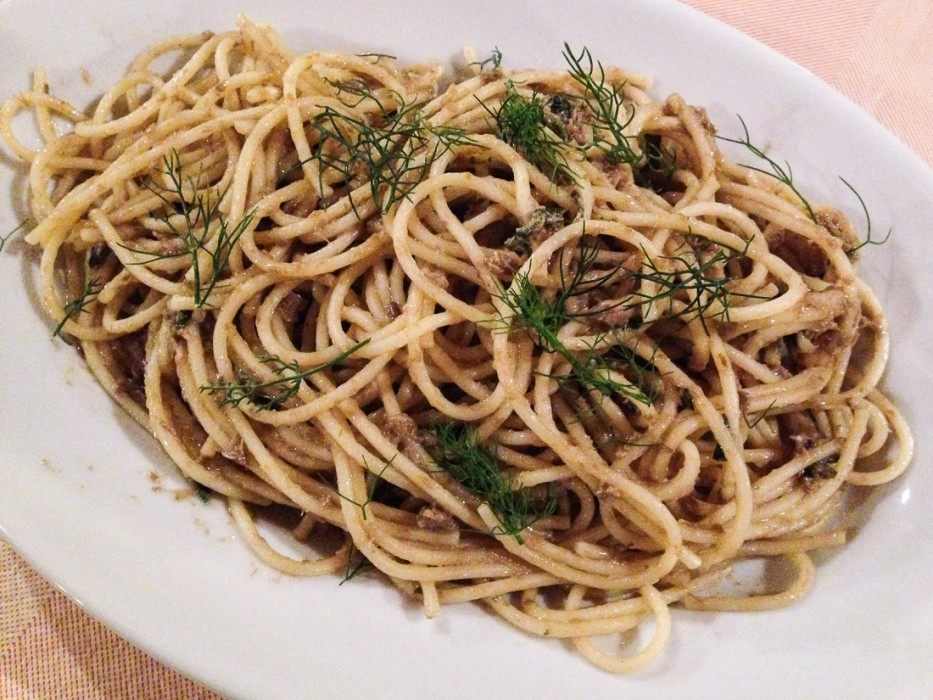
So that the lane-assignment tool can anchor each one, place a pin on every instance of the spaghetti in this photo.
(526, 338)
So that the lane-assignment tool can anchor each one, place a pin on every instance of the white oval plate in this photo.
(77, 500)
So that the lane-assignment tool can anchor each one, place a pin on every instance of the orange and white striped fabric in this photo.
(878, 52)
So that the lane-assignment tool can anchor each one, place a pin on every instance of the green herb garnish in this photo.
(868, 239)
(658, 167)
(611, 114)
(394, 152)
(595, 371)
(377, 55)
(525, 124)
(79, 304)
(274, 393)
(474, 466)
(782, 173)
(354, 568)
(699, 279)
(3, 239)
(785, 174)
(494, 59)
(543, 316)
(375, 479)
(205, 228)
(761, 416)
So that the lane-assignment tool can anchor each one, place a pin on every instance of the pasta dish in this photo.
(524, 337)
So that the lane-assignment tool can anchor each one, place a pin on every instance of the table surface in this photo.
(877, 52)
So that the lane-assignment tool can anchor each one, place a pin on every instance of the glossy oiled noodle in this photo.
(764, 404)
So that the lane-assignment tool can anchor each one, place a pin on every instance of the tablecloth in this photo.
(878, 52)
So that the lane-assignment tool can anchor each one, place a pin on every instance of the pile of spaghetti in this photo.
(524, 337)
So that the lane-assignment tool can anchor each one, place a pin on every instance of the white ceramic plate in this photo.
(76, 498)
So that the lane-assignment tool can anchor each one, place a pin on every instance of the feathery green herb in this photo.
(785, 174)
(543, 316)
(525, 124)
(494, 59)
(460, 454)
(79, 304)
(377, 55)
(394, 151)
(761, 416)
(594, 369)
(3, 239)
(699, 283)
(204, 229)
(600, 371)
(868, 239)
(610, 113)
(645, 373)
(699, 279)
(782, 173)
(275, 393)
(658, 167)
(374, 480)
(354, 567)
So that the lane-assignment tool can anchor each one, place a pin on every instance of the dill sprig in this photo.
(868, 239)
(658, 167)
(377, 55)
(494, 59)
(375, 479)
(703, 288)
(205, 227)
(22, 225)
(525, 124)
(275, 393)
(761, 416)
(544, 316)
(697, 283)
(354, 568)
(696, 278)
(782, 173)
(611, 114)
(533, 311)
(475, 467)
(596, 371)
(79, 304)
(394, 155)
(785, 174)
(597, 367)
(643, 369)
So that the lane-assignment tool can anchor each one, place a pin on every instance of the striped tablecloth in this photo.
(878, 52)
